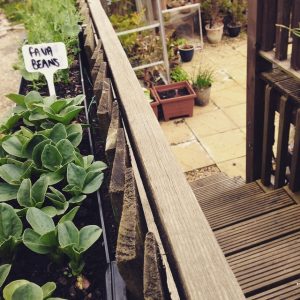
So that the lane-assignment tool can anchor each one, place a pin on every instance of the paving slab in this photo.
(234, 167)
(225, 146)
(191, 155)
(237, 114)
(210, 123)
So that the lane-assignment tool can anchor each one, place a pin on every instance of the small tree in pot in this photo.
(215, 26)
(202, 82)
(236, 10)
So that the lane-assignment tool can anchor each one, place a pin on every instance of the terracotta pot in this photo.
(214, 34)
(203, 96)
(176, 99)
(155, 103)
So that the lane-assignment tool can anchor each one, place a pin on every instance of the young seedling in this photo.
(26, 290)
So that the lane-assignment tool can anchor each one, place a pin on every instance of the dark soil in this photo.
(173, 93)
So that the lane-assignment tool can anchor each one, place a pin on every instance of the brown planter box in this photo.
(176, 99)
(155, 103)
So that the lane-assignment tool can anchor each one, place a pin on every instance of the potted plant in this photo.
(237, 17)
(176, 99)
(178, 74)
(215, 26)
(202, 85)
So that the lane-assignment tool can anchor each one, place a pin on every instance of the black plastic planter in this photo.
(234, 30)
(186, 53)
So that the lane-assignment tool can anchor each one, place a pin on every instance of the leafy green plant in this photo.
(11, 229)
(46, 238)
(204, 78)
(34, 110)
(178, 74)
(51, 21)
(236, 10)
(4, 272)
(212, 10)
(26, 290)
(84, 180)
(74, 243)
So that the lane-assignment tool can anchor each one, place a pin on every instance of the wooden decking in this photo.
(258, 232)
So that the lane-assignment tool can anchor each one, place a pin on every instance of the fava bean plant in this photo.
(44, 179)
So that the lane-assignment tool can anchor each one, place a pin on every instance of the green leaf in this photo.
(11, 121)
(11, 173)
(8, 192)
(26, 132)
(49, 210)
(58, 105)
(61, 208)
(54, 177)
(11, 287)
(37, 114)
(18, 99)
(4, 271)
(31, 98)
(58, 133)
(76, 175)
(92, 182)
(51, 158)
(70, 215)
(32, 241)
(39, 190)
(10, 223)
(39, 221)
(48, 289)
(97, 166)
(77, 199)
(88, 235)
(37, 152)
(68, 234)
(24, 196)
(13, 146)
(28, 148)
(66, 149)
(74, 132)
(28, 291)
(78, 100)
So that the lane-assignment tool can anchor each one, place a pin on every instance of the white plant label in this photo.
(47, 59)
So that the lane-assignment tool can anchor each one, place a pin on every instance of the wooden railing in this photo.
(273, 84)
(196, 261)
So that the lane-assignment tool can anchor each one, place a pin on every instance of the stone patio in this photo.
(216, 134)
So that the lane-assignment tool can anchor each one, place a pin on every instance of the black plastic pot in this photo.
(186, 54)
(234, 30)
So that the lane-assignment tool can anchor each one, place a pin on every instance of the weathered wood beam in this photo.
(197, 260)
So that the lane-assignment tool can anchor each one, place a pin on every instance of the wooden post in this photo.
(255, 92)
(111, 140)
(268, 25)
(154, 281)
(295, 59)
(104, 109)
(283, 140)
(295, 167)
(268, 135)
(130, 245)
(282, 35)
(117, 181)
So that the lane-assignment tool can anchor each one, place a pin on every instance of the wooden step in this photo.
(229, 196)
(287, 291)
(208, 180)
(267, 265)
(259, 230)
(217, 189)
(244, 207)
